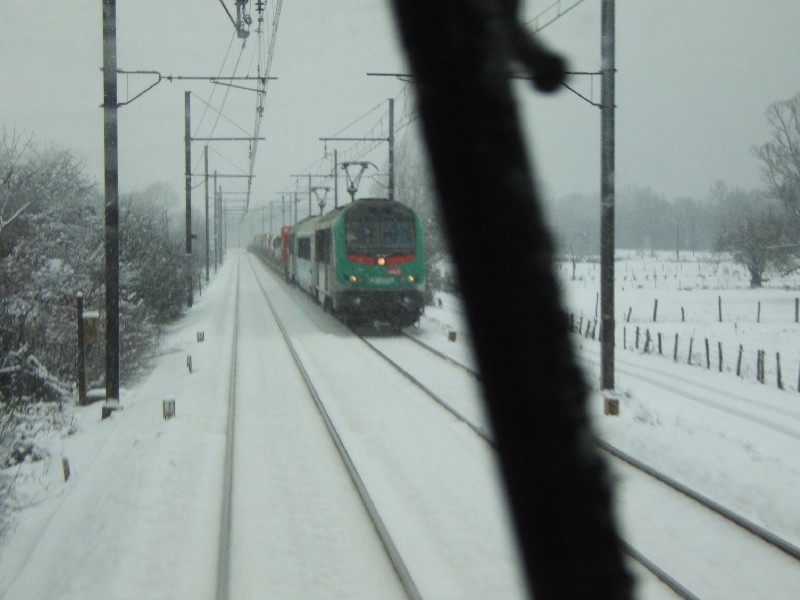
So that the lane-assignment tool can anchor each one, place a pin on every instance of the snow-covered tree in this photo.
(51, 247)
(414, 187)
(153, 264)
(762, 242)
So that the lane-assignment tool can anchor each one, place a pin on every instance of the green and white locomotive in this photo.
(364, 262)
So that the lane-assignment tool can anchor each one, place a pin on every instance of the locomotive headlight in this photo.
(381, 261)
(353, 279)
(411, 279)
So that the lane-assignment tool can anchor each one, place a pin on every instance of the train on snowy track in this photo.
(364, 262)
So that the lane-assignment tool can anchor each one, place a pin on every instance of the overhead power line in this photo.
(546, 16)
(263, 72)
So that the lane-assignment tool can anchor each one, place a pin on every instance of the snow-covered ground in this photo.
(139, 516)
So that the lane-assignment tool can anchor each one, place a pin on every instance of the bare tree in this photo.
(12, 177)
(781, 155)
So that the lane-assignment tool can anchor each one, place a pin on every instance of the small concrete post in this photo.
(610, 405)
(168, 408)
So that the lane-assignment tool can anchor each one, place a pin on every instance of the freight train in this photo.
(364, 262)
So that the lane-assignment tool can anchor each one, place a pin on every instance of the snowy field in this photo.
(661, 295)
(136, 516)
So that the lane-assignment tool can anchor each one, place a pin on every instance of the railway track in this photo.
(439, 386)
(460, 399)
(270, 508)
(790, 552)
(403, 450)
(409, 585)
(778, 419)
(223, 552)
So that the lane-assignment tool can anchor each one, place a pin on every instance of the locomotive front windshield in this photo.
(382, 232)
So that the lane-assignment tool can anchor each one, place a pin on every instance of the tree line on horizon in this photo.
(760, 228)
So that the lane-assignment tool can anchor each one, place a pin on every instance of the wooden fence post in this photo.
(778, 368)
(739, 362)
(719, 348)
(675, 351)
(691, 343)
(708, 356)
(798, 380)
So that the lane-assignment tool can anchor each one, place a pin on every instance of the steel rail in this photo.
(752, 528)
(760, 532)
(442, 355)
(671, 582)
(478, 430)
(794, 415)
(380, 527)
(223, 553)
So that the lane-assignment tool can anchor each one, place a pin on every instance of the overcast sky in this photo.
(694, 80)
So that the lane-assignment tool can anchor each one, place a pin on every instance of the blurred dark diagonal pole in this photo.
(111, 198)
(607, 330)
(461, 52)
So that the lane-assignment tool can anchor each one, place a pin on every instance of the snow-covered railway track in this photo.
(685, 578)
(714, 553)
(296, 526)
(778, 419)
(434, 481)
(394, 555)
(443, 355)
(395, 351)
(459, 396)
(223, 553)
(762, 533)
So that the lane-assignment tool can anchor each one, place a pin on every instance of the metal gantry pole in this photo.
(607, 198)
(309, 195)
(111, 158)
(208, 246)
(81, 353)
(335, 178)
(188, 172)
(223, 233)
(216, 225)
(391, 149)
